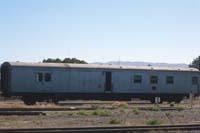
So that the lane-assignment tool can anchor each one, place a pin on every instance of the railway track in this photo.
(21, 113)
(42, 111)
(77, 109)
(113, 129)
(63, 103)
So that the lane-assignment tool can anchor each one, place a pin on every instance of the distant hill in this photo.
(138, 63)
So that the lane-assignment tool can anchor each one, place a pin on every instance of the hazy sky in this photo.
(100, 30)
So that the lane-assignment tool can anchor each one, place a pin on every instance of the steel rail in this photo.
(80, 108)
(63, 103)
(113, 129)
(21, 113)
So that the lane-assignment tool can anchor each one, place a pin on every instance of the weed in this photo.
(71, 113)
(95, 106)
(153, 122)
(135, 110)
(115, 121)
(156, 108)
(37, 122)
(123, 105)
(179, 108)
(172, 104)
(82, 112)
(122, 110)
(168, 114)
(120, 104)
(101, 112)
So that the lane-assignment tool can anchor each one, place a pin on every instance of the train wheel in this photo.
(152, 101)
(55, 101)
(176, 100)
(28, 101)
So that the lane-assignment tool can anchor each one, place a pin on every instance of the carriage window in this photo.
(154, 79)
(137, 79)
(169, 80)
(38, 77)
(195, 80)
(47, 77)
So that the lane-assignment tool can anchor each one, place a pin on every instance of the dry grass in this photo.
(120, 104)
(22, 105)
(12, 105)
(47, 105)
(121, 116)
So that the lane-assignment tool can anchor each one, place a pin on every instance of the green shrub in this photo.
(123, 105)
(95, 106)
(71, 113)
(179, 108)
(101, 112)
(153, 122)
(119, 105)
(135, 110)
(115, 121)
(122, 110)
(156, 108)
(172, 104)
(82, 112)
(168, 114)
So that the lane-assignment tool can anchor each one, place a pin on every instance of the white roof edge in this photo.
(68, 65)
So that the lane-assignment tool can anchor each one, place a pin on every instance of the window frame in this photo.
(195, 80)
(47, 77)
(170, 80)
(137, 79)
(152, 79)
(39, 77)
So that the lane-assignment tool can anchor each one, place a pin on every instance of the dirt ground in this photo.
(74, 119)
(126, 115)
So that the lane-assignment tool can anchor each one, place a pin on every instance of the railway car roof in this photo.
(104, 66)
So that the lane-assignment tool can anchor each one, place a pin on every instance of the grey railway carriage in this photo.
(53, 82)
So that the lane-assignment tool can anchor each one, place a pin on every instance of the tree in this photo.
(49, 60)
(195, 63)
(66, 60)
